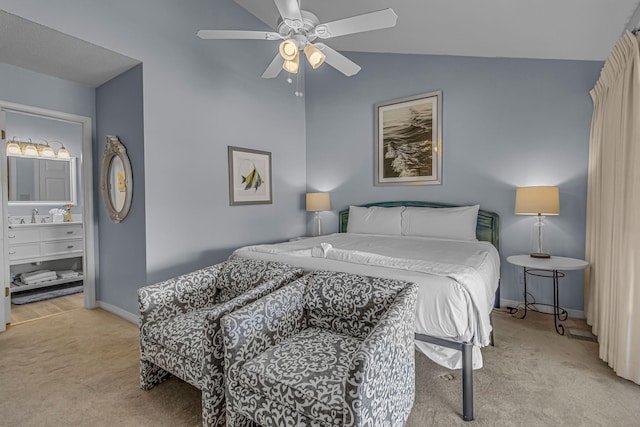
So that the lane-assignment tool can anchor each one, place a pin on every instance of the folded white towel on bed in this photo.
(273, 249)
(321, 250)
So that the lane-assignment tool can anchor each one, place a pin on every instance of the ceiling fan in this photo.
(299, 28)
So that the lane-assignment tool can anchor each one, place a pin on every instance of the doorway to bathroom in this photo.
(48, 264)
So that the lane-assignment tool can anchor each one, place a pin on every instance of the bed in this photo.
(450, 251)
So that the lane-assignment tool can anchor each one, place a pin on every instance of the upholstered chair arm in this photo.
(238, 275)
(178, 295)
(213, 346)
(256, 327)
(213, 385)
(389, 348)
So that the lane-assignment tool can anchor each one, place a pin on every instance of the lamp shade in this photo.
(317, 202)
(537, 201)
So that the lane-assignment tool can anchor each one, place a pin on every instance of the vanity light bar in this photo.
(28, 149)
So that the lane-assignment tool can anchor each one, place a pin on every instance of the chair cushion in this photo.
(348, 303)
(238, 275)
(182, 334)
(306, 372)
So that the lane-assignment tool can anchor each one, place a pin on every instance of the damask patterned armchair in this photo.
(180, 324)
(330, 349)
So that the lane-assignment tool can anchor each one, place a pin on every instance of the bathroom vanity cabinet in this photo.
(34, 247)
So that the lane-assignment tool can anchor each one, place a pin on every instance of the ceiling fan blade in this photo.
(357, 24)
(290, 12)
(274, 68)
(233, 34)
(338, 60)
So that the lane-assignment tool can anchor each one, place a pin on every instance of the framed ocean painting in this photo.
(408, 145)
(249, 176)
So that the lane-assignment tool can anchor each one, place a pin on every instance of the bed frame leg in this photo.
(467, 370)
(467, 382)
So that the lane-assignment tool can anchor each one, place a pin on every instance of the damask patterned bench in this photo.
(330, 349)
(180, 324)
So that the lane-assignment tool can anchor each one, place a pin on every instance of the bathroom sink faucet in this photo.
(33, 216)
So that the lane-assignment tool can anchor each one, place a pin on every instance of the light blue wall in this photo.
(122, 248)
(199, 97)
(38, 90)
(506, 123)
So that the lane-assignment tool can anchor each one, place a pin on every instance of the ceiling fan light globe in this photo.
(291, 66)
(288, 50)
(314, 56)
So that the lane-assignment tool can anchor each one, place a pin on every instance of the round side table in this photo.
(552, 268)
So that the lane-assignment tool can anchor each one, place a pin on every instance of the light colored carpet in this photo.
(81, 368)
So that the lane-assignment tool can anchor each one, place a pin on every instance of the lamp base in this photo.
(539, 255)
(317, 224)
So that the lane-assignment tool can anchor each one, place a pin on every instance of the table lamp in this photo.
(318, 202)
(538, 201)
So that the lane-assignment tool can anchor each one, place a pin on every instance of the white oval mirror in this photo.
(116, 181)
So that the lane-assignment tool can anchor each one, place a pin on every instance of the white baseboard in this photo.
(578, 314)
(133, 318)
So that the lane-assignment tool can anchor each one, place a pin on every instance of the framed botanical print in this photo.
(249, 176)
(408, 146)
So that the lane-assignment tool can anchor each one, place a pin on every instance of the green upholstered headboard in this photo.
(487, 228)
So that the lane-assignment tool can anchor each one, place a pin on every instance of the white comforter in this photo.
(457, 279)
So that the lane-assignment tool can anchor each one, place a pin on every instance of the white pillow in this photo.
(457, 223)
(375, 220)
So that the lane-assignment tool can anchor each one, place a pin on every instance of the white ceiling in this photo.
(38, 48)
(549, 29)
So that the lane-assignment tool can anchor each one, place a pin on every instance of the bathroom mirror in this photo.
(116, 181)
(38, 181)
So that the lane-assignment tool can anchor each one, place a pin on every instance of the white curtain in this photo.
(612, 282)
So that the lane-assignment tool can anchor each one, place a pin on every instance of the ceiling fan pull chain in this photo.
(300, 81)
